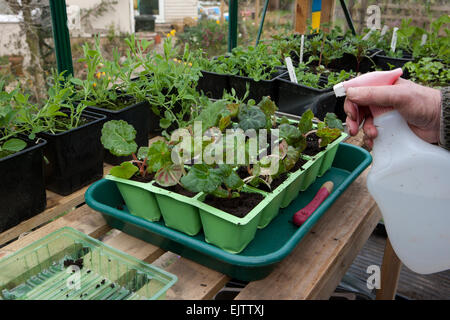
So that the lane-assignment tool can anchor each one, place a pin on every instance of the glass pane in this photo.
(26, 47)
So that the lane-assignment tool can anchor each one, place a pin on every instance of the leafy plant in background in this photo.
(429, 72)
(253, 62)
(118, 137)
(105, 83)
(9, 143)
(167, 82)
(207, 34)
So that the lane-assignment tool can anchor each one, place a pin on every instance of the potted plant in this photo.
(73, 153)
(149, 184)
(168, 83)
(105, 90)
(251, 66)
(22, 190)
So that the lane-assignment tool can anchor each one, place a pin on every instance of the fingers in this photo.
(369, 128)
(352, 116)
(384, 96)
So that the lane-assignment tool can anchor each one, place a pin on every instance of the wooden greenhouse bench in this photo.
(312, 270)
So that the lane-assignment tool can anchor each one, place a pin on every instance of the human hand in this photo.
(420, 106)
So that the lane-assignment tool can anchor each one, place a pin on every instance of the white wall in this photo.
(12, 41)
(121, 16)
(177, 10)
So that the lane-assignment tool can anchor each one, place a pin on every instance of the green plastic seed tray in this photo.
(269, 246)
(69, 265)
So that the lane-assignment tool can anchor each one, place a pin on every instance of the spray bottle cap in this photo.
(339, 90)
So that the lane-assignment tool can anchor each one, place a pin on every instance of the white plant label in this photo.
(291, 70)
(394, 39)
(384, 30)
(302, 44)
(373, 17)
(369, 33)
(424, 39)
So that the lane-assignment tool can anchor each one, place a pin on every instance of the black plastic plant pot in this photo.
(138, 116)
(213, 84)
(74, 158)
(384, 62)
(348, 62)
(257, 89)
(22, 190)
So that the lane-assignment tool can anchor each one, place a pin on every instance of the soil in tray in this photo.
(62, 123)
(239, 206)
(119, 104)
(179, 189)
(312, 147)
(147, 178)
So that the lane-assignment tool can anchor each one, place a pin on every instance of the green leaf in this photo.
(125, 171)
(305, 124)
(118, 137)
(142, 153)
(267, 106)
(327, 135)
(290, 133)
(164, 123)
(251, 118)
(201, 178)
(14, 145)
(168, 176)
(159, 156)
(76, 81)
(332, 121)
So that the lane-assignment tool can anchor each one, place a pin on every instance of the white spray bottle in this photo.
(410, 181)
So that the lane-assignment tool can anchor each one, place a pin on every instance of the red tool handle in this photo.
(302, 215)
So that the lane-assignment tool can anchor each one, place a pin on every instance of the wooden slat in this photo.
(317, 264)
(302, 11)
(390, 273)
(83, 219)
(195, 281)
(327, 14)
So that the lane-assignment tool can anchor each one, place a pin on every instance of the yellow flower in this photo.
(94, 84)
(175, 60)
(190, 64)
(172, 32)
(218, 21)
(103, 73)
(98, 75)
(168, 35)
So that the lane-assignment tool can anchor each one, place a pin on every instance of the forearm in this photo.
(445, 119)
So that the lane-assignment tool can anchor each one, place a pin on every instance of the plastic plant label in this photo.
(302, 44)
(383, 31)
(424, 39)
(369, 33)
(291, 70)
(394, 39)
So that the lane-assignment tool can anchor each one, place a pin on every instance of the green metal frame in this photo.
(61, 36)
(232, 24)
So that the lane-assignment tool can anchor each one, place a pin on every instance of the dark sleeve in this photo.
(445, 119)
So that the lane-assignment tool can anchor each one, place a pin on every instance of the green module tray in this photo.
(69, 265)
(270, 244)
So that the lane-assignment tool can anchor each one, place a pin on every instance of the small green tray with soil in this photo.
(69, 265)
(269, 246)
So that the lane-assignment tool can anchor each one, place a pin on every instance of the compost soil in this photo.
(239, 206)
(146, 179)
(70, 262)
(119, 104)
(180, 190)
(312, 145)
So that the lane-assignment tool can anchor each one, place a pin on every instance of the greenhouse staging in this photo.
(245, 152)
